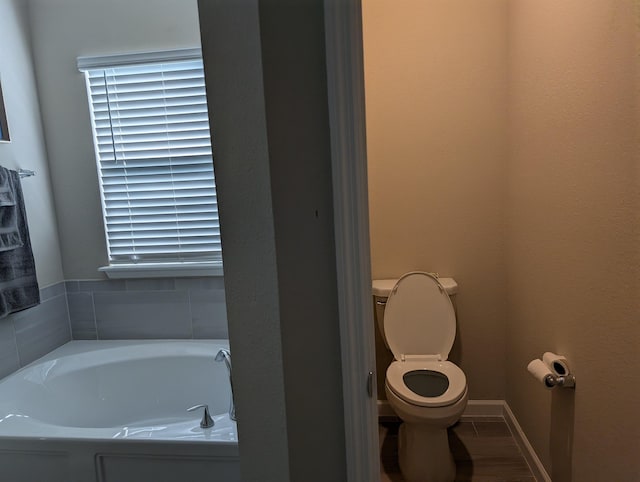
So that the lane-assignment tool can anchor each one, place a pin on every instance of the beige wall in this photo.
(537, 218)
(435, 80)
(573, 232)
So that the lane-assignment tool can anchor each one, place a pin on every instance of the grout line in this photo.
(15, 342)
(190, 311)
(95, 318)
(66, 300)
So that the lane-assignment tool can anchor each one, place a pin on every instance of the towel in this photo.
(18, 284)
(9, 233)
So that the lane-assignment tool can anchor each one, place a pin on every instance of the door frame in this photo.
(345, 83)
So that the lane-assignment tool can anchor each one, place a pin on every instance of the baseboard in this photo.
(484, 408)
(492, 408)
(537, 469)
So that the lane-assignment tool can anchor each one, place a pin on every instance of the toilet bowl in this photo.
(427, 392)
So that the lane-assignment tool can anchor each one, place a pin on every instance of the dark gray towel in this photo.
(9, 232)
(18, 284)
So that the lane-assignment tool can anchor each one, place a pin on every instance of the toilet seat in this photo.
(420, 328)
(454, 392)
(419, 318)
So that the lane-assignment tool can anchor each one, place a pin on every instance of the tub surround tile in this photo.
(42, 329)
(52, 291)
(142, 314)
(9, 361)
(208, 313)
(84, 335)
(102, 285)
(180, 308)
(203, 317)
(72, 286)
(82, 316)
(208, 283)
(157, 284)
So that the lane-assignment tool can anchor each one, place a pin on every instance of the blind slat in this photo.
(151, 131)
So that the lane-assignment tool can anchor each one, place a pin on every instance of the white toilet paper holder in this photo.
(565, 381)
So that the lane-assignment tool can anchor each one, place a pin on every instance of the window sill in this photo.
(162, 270)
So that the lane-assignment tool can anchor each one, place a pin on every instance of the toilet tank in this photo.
(380, 290)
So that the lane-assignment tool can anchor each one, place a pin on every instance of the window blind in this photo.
(153, 148)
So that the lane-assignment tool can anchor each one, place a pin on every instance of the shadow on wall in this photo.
(561, 434)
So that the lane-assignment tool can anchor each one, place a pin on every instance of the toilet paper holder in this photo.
(552, 371)
(564, 381)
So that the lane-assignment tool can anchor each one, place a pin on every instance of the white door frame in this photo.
(345, 75)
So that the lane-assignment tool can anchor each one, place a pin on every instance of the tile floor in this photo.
(483, 448)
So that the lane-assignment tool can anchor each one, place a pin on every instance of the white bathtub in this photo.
(116, 411)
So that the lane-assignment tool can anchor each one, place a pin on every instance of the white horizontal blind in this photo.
(153, 148)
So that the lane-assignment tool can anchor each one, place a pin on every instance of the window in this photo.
(153, 149)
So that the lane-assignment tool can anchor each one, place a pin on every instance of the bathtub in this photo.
(115, 411)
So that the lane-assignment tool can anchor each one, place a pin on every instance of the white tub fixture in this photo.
(117, 411)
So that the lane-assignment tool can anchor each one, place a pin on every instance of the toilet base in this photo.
(423, 441)
(424, 454)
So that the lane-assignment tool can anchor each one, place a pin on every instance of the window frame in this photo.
(145, 269)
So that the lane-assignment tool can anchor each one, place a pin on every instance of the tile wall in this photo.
(113, 310)
(149, 308)
(27, 335)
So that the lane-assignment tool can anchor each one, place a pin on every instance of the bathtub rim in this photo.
(41, 430)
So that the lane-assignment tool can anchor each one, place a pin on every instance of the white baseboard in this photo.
(537, 469)
(484, 408)
(493, 408)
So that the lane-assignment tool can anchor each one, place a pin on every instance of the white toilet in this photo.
(425, 390)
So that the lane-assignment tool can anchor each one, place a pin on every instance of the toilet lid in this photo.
(419, 317)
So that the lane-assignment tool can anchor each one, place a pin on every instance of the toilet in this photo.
(429, 393)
